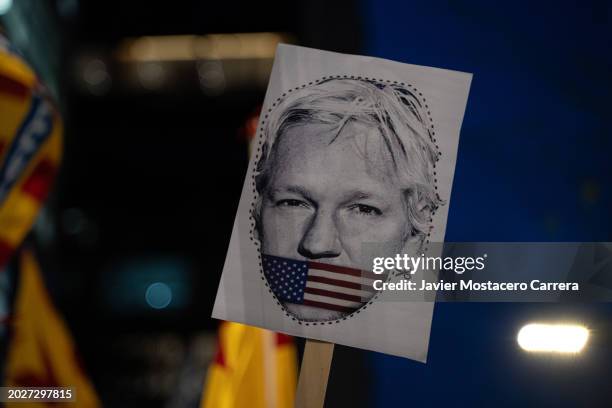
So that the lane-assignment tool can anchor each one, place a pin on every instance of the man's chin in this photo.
(313, 314)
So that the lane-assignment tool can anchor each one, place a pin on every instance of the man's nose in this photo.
(320, 239)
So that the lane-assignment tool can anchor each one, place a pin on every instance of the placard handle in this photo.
(314, 373)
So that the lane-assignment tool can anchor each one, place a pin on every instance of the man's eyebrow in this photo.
(292, 189)
(361, 195)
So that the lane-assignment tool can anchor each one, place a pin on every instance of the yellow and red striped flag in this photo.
(40, 349)
(253, 368)
(41, 352)
(30, 148)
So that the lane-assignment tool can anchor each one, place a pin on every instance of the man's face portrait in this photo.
(337, 176)
(324, 200)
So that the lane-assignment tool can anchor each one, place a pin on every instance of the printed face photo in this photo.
(346, 163)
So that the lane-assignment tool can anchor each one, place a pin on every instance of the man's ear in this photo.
(414, 242)
(424, 208)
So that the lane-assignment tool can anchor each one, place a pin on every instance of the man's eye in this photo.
(291, 203)
(364, 209)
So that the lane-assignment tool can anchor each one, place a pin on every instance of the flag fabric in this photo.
(253, 368)
(30, 148)
(41, 352)
(317, 284)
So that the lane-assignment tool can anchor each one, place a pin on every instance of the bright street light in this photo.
(560, 338)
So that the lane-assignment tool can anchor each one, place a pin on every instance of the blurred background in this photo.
(159, 100)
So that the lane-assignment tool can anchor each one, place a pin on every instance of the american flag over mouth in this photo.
(317, 284)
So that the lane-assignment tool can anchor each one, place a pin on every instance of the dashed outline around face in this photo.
(260, 139)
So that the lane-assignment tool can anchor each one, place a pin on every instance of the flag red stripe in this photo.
(12, 87)
(220, 353)
(342, 269)
(344, 284)
(39, 182)
(329, 293)
(6, 251)
(328, 306)
(282, 339)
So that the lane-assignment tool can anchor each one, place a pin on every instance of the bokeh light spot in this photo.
(158, 295)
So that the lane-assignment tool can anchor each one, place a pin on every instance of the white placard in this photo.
(350, 151)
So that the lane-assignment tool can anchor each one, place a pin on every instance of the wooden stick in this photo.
(314, 374)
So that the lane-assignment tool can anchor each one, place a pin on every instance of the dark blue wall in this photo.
(534, 165)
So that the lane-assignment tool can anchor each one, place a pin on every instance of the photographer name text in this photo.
(471, 285)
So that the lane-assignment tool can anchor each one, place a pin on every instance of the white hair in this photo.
(393, 109)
